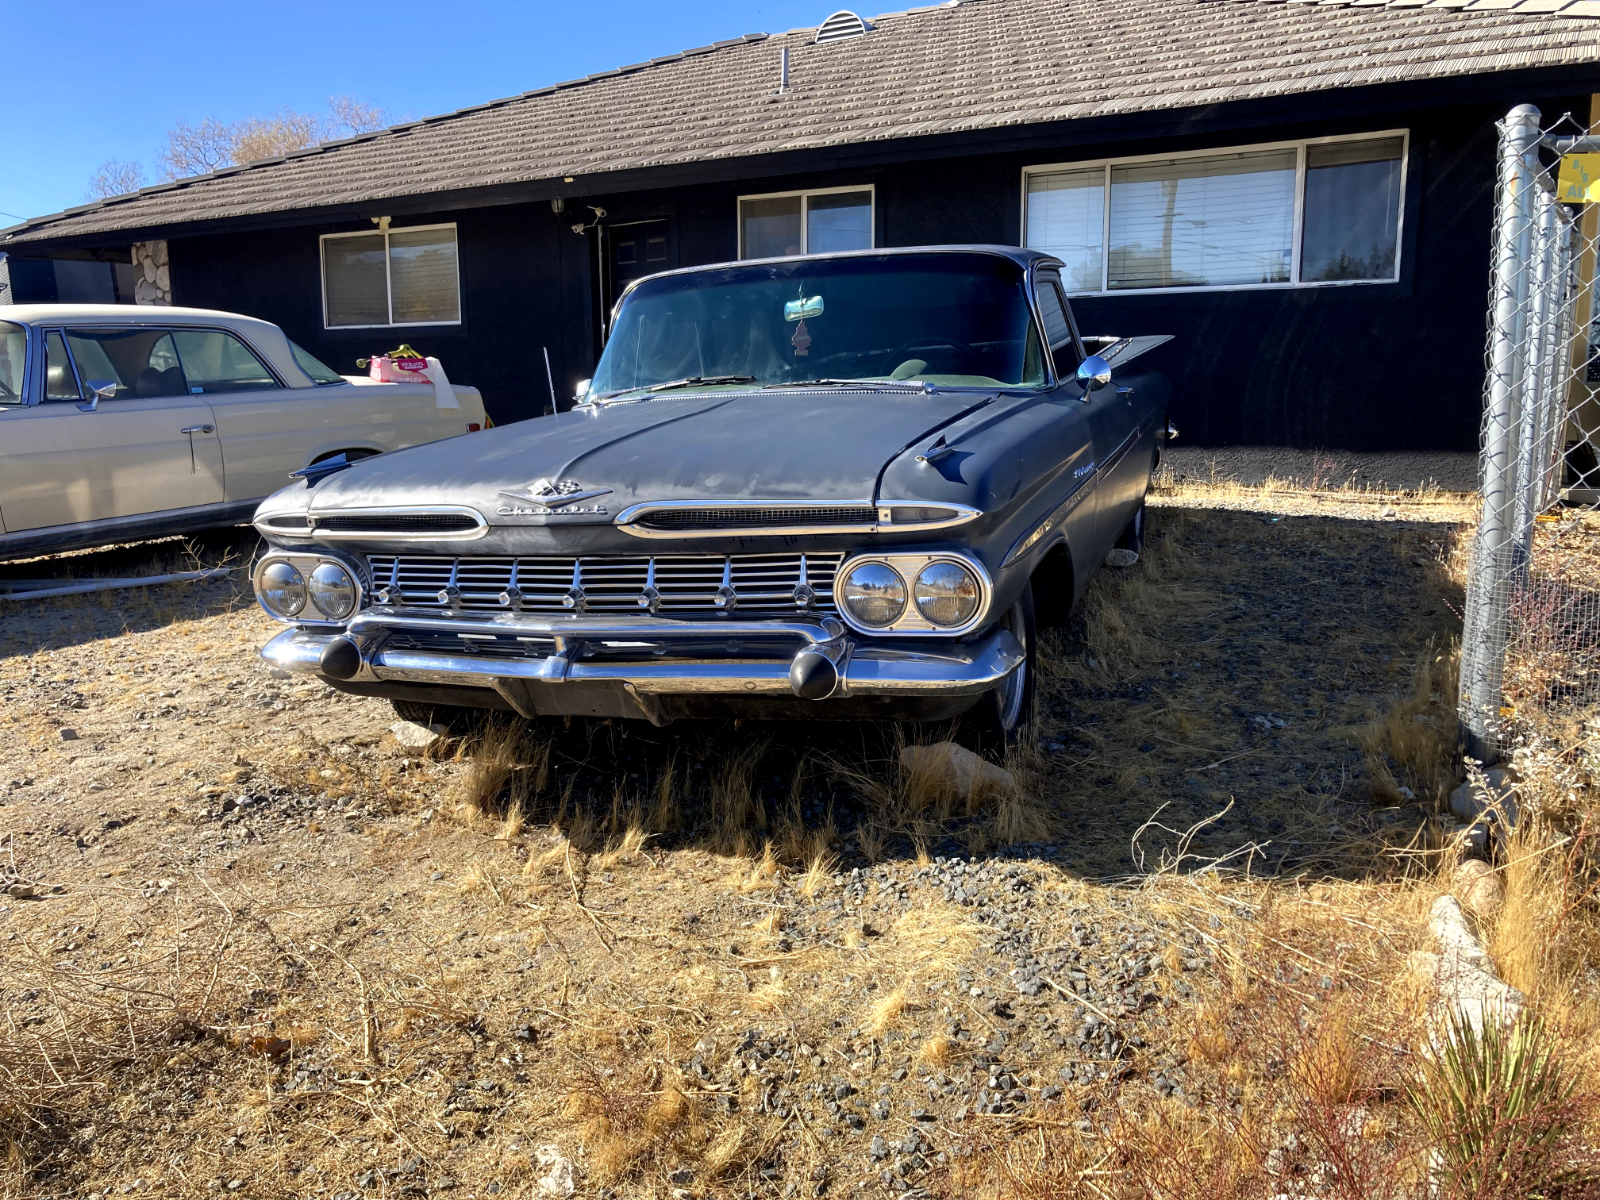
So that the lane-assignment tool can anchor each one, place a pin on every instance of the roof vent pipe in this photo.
(783, 71)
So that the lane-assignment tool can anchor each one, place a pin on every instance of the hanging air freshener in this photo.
(801, 341)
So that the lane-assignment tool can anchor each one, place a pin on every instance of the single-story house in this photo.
(1299, 191)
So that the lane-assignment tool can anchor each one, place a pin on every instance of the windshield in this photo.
(320, 372)
(13, 347)
(951, 320)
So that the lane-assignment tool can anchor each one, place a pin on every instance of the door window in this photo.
(59, 381)
(13, 350)
(140, 363)
(214, 361)
(1058, 329)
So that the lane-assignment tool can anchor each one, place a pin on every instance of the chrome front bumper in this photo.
(643, 659)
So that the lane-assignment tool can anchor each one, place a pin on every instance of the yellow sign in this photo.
(1579, 181)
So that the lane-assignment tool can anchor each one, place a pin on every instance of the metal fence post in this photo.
(1483, 644)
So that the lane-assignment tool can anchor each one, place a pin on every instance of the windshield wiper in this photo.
(887, 385)
(689, 381)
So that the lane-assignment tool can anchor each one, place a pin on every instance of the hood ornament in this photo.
(552, 495)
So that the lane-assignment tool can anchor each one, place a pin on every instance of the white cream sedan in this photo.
(119, 423)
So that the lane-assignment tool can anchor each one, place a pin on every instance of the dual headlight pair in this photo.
(327, 593)
(948, 593)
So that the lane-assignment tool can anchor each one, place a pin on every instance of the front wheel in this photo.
(1003, 717)
(1132, 535)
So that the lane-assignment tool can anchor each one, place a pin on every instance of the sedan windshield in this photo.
(949, 320)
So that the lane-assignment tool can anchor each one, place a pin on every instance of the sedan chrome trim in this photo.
(879, 518)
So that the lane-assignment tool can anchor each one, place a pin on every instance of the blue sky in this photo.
(76, 98)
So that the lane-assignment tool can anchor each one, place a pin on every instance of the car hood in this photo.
(785, 445)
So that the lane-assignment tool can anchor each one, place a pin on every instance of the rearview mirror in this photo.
(802, 310)
(1093, 372)
(99, 389)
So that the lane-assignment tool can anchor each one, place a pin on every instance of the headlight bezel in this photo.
(307, 563)
(909, 566)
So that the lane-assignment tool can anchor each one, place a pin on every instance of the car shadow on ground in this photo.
(58, 622)
(1273, 692)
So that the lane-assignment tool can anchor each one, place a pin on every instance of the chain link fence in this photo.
(1530, 657)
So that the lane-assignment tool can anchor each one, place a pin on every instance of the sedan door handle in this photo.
(199, 429)
(1125, 391)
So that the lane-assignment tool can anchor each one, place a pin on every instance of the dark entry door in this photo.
(639, 249)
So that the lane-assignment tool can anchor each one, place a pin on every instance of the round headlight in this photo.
(282, 589)
(874, 594)
(946, 594)
(333, 592)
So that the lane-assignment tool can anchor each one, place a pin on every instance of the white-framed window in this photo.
(818, 221)
(1286, 214)
(405, 276)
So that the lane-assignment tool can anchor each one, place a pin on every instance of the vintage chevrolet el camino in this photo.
(847, 485)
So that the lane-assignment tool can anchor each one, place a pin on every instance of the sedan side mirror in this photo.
(1094, 372)
(580, 394)
(99, 389)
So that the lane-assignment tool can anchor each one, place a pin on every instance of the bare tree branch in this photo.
(115, 178)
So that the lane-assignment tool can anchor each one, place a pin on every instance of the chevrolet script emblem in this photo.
(551, 496)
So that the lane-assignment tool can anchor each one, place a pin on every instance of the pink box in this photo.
(398, 370)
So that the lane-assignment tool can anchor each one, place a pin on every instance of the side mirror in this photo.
(581, 394)
(1094, 372)
(99, 389)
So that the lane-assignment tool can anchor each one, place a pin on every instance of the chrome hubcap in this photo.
(1015, 686)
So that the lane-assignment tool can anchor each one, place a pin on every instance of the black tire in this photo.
(456, 720)
(1132, 536)
(1004, 717)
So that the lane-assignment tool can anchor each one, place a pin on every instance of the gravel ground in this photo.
(914, 1000)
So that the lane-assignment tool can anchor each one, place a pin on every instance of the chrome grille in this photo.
(688, 584)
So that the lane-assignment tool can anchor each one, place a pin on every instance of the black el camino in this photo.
(845, 485)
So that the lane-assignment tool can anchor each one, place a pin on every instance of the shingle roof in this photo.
(972, 65)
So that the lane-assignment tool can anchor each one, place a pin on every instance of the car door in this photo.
(269, 429)
(1085, 530)
(144, 444)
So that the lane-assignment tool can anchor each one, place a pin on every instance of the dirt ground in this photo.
(250, 945)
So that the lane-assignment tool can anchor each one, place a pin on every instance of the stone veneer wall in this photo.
(155, 280)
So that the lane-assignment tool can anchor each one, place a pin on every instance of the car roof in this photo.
(1021, 255)
(121, 314)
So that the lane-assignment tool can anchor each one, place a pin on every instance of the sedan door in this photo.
(144, 446)
(269, 430)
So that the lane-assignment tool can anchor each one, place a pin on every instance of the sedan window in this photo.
(59, 381)
(13, 350)
(214, 361)
(141, 363)
(321, 373)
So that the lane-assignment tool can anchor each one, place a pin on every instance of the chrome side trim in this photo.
(1054, 521)
(908, 566)
(884, 522)
(480, 528)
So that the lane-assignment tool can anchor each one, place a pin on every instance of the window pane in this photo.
(219, 362)
(313, 366)
(354, 279)
(839, 221)
(1352, 222)
(59, 383)
(771, 228)
(141, 362)
(1189, 222)
(13, 349)
(1055, 316)
(1066, 217)
(422, 271)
